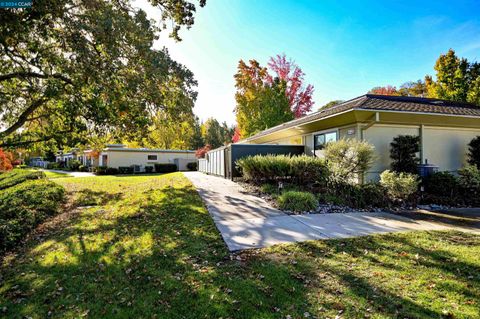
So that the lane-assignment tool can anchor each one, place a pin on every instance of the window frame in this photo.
(325, 133)
(152, 159)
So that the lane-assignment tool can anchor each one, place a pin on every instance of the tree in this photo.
(72, 66)
(384, 90)
(330, 104)
(403, 152)
(474, 152)
(417, 88)
(299, 96)
(200, 153)
(236, 135)
(213, 133)
(5, 161)
(196, 139)
(457, 79)
(261, 102)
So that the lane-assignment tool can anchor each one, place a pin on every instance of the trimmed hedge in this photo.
(148, 169)
(300, 170)
(193, 166)
(104, 170)
(17, 176)
(125, 170)
(297, 201)
(165, 168)
(24, 206)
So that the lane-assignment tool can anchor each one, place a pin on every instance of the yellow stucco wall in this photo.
(126, 158)
(447, 147)
(381, 136)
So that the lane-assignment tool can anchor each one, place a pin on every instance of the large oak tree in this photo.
(67, 66)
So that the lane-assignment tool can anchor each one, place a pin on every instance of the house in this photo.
(444, 127)
(118, 155)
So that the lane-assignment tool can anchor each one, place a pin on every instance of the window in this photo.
(152, 157)
(319, 140)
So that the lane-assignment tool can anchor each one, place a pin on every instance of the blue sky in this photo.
(344, 47)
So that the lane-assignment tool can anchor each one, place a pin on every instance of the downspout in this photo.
(422, 143)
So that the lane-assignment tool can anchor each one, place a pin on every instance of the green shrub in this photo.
(17, 176)
(73, 165)
(474, 152)
(399, 185)
(192, 166)
(165, 168)
(24, 206)
(403, 152)
(53, 165)
(148, 169)
(297, 201)
(302, 170)
(269, 189)
(348, 159)
(83, 168)
(442, 184)
(469, 181)
(356, 196)
(125, 170)
(104, 170)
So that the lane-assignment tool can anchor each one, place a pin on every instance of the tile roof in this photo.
(383, 103)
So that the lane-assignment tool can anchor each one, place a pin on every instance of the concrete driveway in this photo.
(246, 221)
(71, 174)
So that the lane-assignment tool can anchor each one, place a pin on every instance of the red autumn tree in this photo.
(236, 135)
(299, 96)
(5, 161)
(200, 153)
(384, 90)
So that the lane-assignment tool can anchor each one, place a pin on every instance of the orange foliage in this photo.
(6, 159)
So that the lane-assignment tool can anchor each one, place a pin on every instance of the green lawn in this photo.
(52, 175)
(145, 247)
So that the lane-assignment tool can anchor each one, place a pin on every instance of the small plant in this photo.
(165, 168)
(104, 170)
(474, 152)
(399, 186)
(74, 165)
(348, 159)
(192, 166)
(403, 152)
(297, 201)
(269, 189)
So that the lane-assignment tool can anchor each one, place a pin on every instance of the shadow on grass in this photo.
(160, 255)
(87, 197)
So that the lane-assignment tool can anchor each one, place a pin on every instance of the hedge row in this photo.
(297, 169)
(18, 176)
(25, 205)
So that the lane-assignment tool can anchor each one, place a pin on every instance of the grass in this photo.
(148, 249)
(53, 175)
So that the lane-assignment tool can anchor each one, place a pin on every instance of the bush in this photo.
(356, 196)
(399, 185)
(302, 170)
(53, 165)
(104, 170)
(348, 159)
(74, 165)
(269, 189)
(148, 169)
(24, 206)
(125, 170)
(442, 184)
(469, 181)
(192, 166)
(17, 176)
(297, 201)
(83, 168)
(474, 152)
(165, 168)
(403, 152)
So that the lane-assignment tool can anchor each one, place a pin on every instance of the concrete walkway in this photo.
(71, 174)
(246, 221)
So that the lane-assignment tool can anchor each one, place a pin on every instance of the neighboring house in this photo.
(117, 155)
(445, 128)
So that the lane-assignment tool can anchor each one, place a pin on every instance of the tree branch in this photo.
(23, 117)
(23, 143)
(5, 77)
